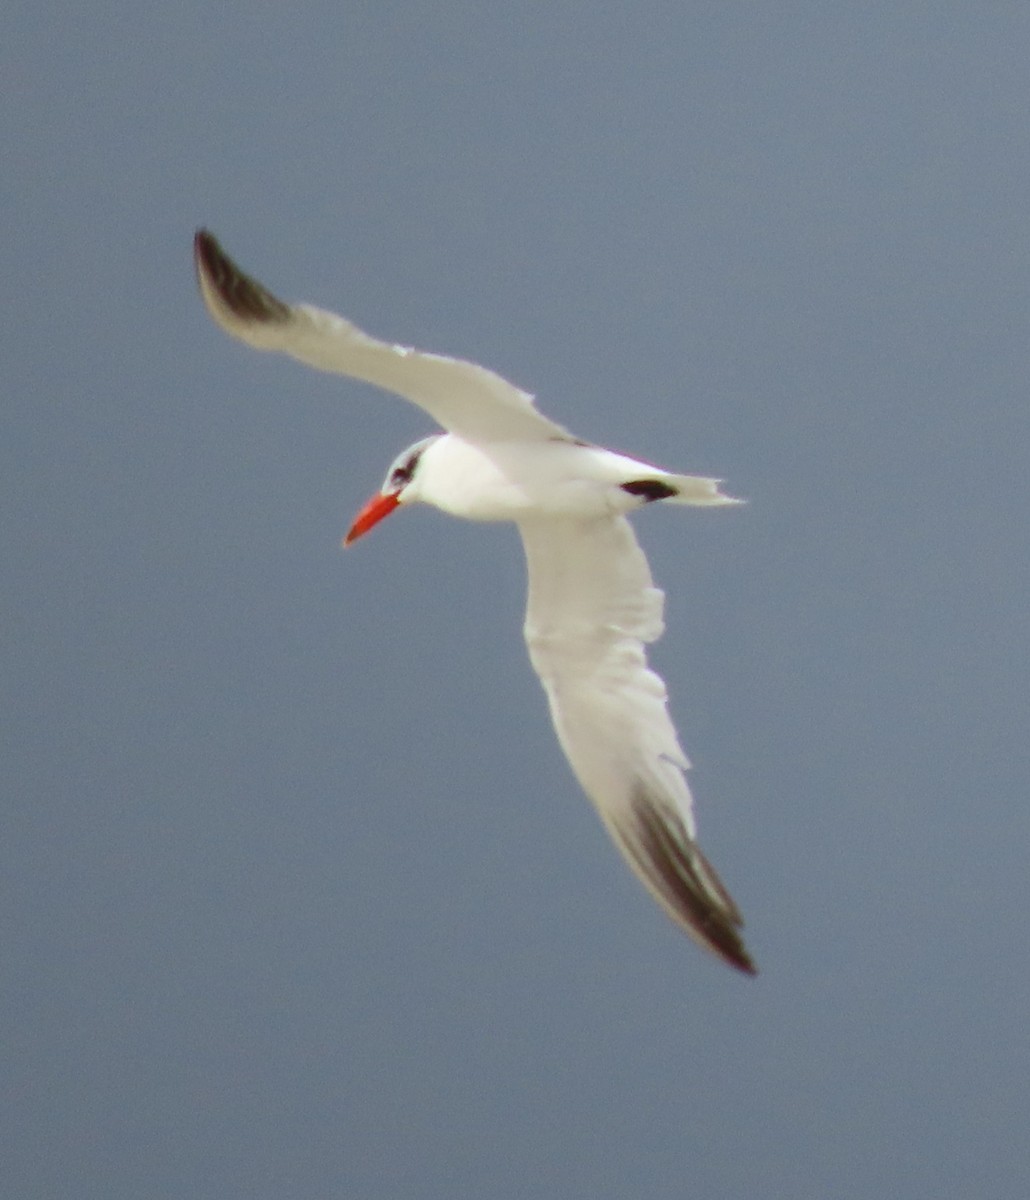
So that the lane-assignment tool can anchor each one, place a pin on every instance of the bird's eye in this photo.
(401, 475)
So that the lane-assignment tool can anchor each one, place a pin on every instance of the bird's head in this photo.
(402, 485)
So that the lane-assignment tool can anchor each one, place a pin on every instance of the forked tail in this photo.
(698, 489)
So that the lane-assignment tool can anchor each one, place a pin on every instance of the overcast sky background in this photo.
(300, 898)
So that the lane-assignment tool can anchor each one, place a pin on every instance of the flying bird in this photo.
(592, 603)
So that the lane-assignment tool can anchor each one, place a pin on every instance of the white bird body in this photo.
(592, 605)
(507, 481)
(498, 481)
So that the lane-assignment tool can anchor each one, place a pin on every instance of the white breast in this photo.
(507, 481)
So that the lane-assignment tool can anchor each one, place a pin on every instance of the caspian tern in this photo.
(592, 603)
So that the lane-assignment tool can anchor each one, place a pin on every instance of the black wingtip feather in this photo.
(690, 888)
(243, 296)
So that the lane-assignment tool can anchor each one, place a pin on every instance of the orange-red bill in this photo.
(381, 505)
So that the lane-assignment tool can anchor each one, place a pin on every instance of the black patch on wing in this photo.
(650, 489)
(242, 295)
(689, 885)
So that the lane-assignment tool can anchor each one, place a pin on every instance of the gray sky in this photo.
(300, 898)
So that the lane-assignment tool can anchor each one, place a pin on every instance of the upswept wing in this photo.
(592, 607)
(463, 398)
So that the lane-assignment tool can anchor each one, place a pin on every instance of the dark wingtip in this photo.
(690, 889)
(207, 254)
(744, 964)
(241, 295)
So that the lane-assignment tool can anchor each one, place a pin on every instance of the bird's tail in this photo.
(698, 489)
